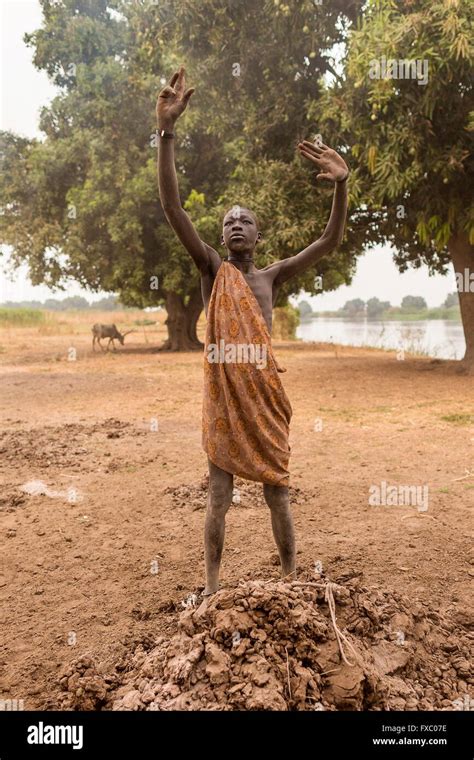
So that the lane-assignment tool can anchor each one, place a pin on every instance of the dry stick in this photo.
(272, 580)
(407, 517)
(333, 670)
(340, 637)
(467, 475)
(288, 671)
(329, 598)
(310, 583)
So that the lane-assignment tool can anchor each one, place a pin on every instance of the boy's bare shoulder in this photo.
(273, 265)
(271, 270)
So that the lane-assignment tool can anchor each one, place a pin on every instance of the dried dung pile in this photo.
(273, 646)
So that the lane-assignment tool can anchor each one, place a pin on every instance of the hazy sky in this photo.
(23, 90)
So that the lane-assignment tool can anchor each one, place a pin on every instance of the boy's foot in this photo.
(205, 596)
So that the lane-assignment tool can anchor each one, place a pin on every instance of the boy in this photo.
(246, 412)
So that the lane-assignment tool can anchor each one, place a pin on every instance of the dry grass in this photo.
(149, 328)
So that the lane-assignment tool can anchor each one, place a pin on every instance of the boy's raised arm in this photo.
(172, 101)
(333, 168)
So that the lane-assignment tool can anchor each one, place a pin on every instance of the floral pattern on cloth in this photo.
(246, 412)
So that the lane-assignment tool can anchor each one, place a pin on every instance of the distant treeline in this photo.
(78, 303)
(412, 307)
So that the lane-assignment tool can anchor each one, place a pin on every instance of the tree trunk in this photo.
(462, 256)
(194, 309)
(181, 322)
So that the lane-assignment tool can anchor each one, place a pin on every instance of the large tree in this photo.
(258, 69)
(83, 202)
(409, 126)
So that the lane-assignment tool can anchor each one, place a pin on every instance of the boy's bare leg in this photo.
(278, 499)
(219, 499)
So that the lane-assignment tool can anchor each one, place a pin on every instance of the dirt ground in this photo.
(104, 559)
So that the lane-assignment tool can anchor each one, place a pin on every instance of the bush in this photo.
(21, 317)
(285, 321)
(305, 310)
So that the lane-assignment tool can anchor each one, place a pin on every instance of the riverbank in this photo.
(443, 339)
(453, 313)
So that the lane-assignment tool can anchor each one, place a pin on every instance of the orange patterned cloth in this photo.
(246, 412)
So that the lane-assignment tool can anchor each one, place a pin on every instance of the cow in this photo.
(107, 331)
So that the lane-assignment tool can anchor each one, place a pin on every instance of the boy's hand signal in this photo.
(331, 165)
(173, 100)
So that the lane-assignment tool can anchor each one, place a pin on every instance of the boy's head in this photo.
(240, 232)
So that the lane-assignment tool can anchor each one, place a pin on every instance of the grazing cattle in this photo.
(107, 331)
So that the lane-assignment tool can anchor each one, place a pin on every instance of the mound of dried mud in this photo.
(273, 646)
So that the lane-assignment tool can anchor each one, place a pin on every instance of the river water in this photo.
(439, 338)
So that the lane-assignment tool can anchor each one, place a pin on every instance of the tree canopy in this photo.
(83, 202)
(410, 131)
(414, 303)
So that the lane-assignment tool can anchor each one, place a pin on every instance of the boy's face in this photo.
(239, 230)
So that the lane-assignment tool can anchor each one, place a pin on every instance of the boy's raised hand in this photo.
(173, 100)
(330, 164)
